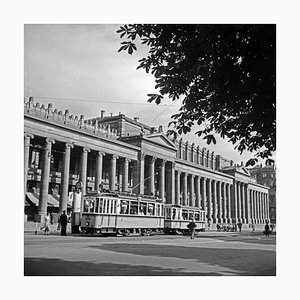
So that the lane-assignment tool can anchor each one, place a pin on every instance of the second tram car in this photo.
(121, 214)
(178, 217)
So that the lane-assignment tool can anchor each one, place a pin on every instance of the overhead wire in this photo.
(92, 100)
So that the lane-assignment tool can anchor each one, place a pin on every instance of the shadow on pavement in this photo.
(246, 262)
(57, 267)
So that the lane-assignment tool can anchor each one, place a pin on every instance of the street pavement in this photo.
(209, 254)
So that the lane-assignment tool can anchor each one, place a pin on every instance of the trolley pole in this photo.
(76, 211)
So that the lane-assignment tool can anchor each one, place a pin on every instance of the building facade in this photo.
(123, 154)
(266, 175)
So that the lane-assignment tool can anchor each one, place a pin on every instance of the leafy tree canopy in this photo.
(226, 75)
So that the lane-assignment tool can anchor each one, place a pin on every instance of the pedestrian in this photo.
(239, 224)
(191, 226)
(252, 228)
(46, 226)
(63, 220)
(208, 226)
(267, 229)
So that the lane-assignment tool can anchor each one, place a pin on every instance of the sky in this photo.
(78, 67)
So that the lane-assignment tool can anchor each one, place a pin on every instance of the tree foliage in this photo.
(226, 75)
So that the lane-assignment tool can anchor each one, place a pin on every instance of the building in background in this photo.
(266, 175)
(123, 154)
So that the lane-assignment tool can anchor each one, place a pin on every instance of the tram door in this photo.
(109, 213)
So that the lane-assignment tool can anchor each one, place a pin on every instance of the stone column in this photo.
(152, 176)
(112, 173)
(99, 168)
(214, 194)
(83, 168)
(27, 138)
(268, 207)
(243, 211)
(229, 217)
(184, 190)
(224, 203)
(177, 187)
(170, 183)
(235, 202)
(198, 192)
(64, 187)
(203, 195)
(162, 180)
(125, 174)
(209, 200)
(42, 209)
(141, 172)
(255, 206)
(192, 191)
(247, 204)
(239, 214)
(263, 207)
(250, 207)
(221, 199)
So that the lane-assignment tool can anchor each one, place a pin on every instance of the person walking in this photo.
(267, 229)
(239, 224)
(63, 220)
(191, 226)
(46, 226)
(252, 228)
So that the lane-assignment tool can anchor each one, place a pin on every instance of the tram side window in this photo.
(150, 210)
(197, 216)
(143, 208)
(104, 205)
(158, 210)
(184, 214)
(113, 206)
(97, 205)
(134, 208)
(191, 215)
(101, 205)
(124, 207)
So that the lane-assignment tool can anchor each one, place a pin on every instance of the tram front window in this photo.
(174, 216)
(134, 208)
(86, 206)
(191, 215)
(168, 213)
(197, 216)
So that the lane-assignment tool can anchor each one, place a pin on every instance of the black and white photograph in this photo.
(147, 158)
(151, 149)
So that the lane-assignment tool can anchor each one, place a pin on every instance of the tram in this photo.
(178, 217)
(117, 213)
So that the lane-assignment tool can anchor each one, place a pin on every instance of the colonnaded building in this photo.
(125, 155)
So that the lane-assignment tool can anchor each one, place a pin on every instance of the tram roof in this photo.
(123, 195)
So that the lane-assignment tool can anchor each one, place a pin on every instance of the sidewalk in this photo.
(30, 228)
